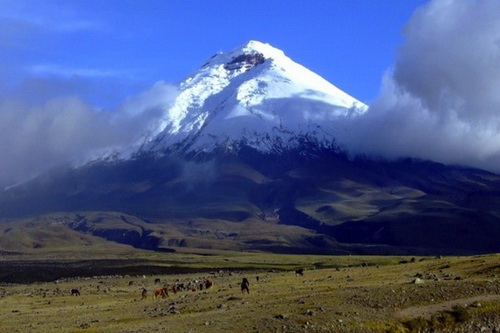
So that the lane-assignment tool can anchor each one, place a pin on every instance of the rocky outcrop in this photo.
(245, 60)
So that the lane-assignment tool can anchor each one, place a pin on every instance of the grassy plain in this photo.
(335, 294)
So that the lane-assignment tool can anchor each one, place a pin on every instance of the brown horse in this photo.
(163, 292)
(75, 292)
(208, 284)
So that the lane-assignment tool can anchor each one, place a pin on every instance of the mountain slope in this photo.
(282, 203)
(256, 95)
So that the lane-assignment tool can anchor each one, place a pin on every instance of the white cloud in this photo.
(442, 99)
(38, 136)
(67, 72)
(49, 15)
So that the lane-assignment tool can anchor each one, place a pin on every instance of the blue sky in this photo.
(107, 50)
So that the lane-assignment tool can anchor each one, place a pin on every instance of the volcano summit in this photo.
(253, 95)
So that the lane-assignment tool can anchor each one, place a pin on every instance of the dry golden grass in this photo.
(363, 294)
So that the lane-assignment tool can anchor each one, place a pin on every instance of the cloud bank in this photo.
(35, 136)
(441, 101)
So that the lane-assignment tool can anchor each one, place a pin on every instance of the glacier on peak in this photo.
(253, 94)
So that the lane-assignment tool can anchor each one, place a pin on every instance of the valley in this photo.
(334, 294)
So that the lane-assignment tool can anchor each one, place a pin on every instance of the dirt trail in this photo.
(428, 310)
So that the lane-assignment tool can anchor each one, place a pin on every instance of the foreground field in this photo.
(335, 294)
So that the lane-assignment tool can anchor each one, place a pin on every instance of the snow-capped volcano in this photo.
(253, 94)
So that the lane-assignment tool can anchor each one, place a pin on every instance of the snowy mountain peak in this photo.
(253, 47)
(251, 50)
(253, 94)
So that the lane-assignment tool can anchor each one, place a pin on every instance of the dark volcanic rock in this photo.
(245, 60)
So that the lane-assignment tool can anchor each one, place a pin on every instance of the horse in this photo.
(163, 292)
(157, 280)
(144, 294)
(75, 292)
(208, 284)
(299, 271)
(244, 285)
